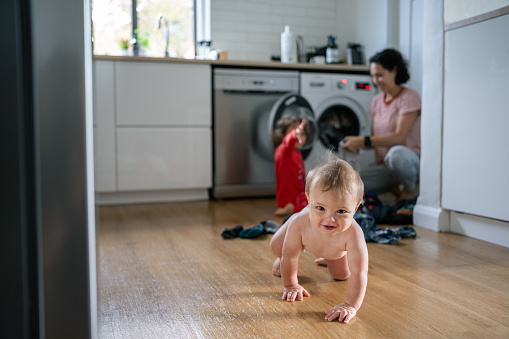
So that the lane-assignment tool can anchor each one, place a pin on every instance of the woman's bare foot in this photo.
(321, 262)
(276, 267)
(288, 209)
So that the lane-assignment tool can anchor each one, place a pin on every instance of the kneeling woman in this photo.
(396, 124)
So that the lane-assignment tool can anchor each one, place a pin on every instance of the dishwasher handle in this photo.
(252, 91)
(317, 84)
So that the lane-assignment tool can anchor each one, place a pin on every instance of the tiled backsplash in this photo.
(251, 29)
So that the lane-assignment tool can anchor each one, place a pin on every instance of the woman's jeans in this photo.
(403, 166)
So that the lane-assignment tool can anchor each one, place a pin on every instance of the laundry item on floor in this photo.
(400, 213)
(229, 233)
(372, 233)
(264, 227)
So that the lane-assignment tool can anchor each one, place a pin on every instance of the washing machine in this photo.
(247, 106)
(335, 106)
(340, 104)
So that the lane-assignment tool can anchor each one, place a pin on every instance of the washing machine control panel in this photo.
(364, 86)
(353, 85)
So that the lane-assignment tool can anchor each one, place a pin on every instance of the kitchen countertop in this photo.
(333, 68)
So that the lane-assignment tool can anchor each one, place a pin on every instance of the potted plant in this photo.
(124, 46)
(143, 41)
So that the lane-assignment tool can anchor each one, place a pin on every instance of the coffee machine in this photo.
(354, 54)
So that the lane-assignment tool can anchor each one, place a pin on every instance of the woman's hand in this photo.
(353, 143)
(295, 292)
(343, 312)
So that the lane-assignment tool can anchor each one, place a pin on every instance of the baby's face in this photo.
(329, 213)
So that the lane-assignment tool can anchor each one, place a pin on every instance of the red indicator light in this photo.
(361, 85)
(344, 81)
(367, 87)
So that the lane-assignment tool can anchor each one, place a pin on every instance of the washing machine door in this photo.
(335, 123)
(296, 105)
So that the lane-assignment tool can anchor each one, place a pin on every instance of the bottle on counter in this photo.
(332, 51)
(288, 46)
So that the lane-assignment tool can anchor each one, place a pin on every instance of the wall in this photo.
(373, 24)
(428, 211)
(251, 29)
(410, 39)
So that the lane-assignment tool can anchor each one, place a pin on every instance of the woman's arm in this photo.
(403, 126)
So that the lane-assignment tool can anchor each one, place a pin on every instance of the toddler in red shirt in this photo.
(289, 137)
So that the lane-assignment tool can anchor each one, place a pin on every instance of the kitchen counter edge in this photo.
(245, 64)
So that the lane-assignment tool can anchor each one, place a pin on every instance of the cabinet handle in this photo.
(317, 84)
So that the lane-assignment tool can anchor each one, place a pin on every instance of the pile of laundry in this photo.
(264, 227)
(373, 212)
(368, 217)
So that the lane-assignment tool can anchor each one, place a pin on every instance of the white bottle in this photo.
(288, 47)
(332, 51)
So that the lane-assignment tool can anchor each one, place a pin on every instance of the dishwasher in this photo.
(243, 158)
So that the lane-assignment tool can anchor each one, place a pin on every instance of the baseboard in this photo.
(433, 218)
(144, 197)
(489, 230)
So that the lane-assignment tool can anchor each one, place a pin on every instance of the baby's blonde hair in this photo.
(337, 175)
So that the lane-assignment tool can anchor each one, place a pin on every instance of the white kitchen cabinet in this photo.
(104, 126)
(153, 131)
(151, 93)
(164, 158)
(475, 156)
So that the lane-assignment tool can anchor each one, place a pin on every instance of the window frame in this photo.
(201, 24)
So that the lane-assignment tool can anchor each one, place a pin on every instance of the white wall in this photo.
(428, 212)
(251, 29)
(410, 30)
(373, 24)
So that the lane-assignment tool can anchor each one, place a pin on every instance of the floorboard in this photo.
(164, 271)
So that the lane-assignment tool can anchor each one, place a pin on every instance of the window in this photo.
(114, 27)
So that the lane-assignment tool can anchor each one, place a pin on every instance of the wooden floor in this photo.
(164, 271)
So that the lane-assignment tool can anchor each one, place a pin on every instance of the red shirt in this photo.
(290, 174)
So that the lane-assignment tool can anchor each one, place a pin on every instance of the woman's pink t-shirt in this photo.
(385, 115)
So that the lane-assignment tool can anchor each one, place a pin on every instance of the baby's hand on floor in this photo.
(296, 291)
(343, 312)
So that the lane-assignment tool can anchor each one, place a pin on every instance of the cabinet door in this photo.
(475, 157)
(164, 158)
(151, 94)
(104, 126)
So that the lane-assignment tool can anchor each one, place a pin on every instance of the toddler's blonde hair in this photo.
(337, 175)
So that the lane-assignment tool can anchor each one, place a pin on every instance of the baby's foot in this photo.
(288, 209)
(321, 262)
(276, 267)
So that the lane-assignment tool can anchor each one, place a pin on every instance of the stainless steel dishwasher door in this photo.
(243, 159)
